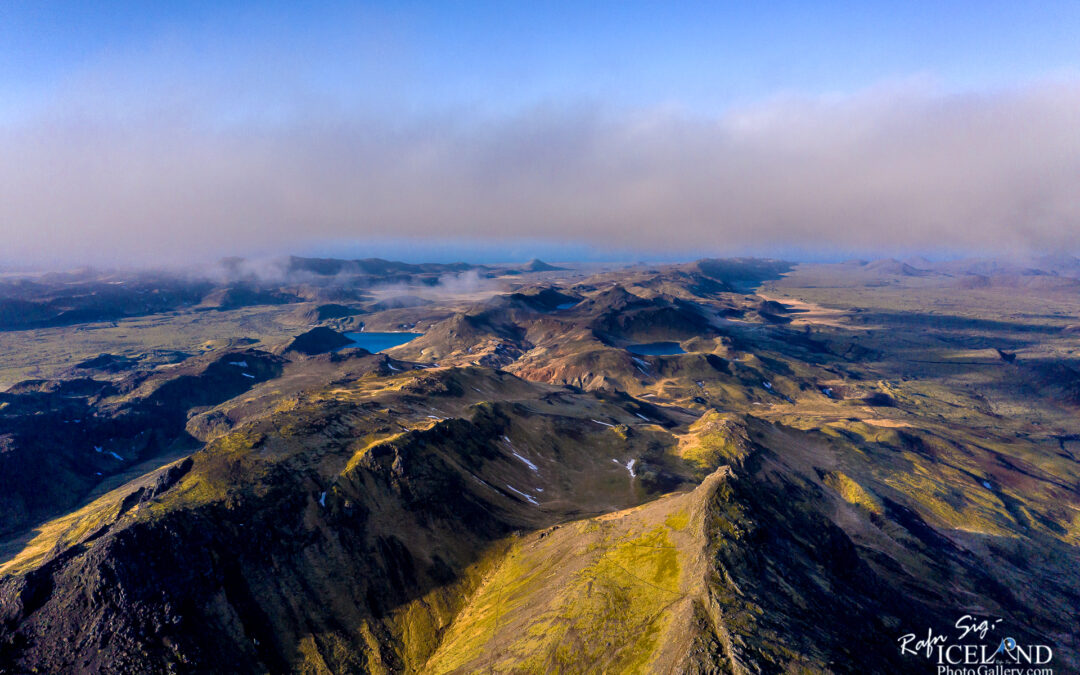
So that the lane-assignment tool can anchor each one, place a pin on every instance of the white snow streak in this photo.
(528, 498)
(527, 463)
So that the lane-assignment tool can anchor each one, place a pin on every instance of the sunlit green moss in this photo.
(853, 493)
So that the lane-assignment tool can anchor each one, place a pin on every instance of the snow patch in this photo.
(527, 463)
(240, 364)
(322, 499)
(248, 375)
(767, 384)
(643, 417)
(604, 423)
(116, 455)
(531, 500)
(97, 448)
(987, 485)
(629, 466)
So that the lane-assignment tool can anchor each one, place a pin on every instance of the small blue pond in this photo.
(377, 342)
(656, 349)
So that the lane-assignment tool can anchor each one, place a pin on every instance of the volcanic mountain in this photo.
(634, 471)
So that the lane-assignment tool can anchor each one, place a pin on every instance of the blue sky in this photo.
(531, 102)
(498, 56)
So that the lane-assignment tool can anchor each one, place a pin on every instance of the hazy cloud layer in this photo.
(886, 170)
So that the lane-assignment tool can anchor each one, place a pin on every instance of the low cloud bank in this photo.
(905, 169)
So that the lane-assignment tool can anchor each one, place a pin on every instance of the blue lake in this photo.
(656, 349)
(377, 342)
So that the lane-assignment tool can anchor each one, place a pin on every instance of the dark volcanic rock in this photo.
(880, 400)
(539, 300)
(80, 387)
(326, 312)
(109, 363)
(538, 265)
(334, 311)
(234, 297)
(318, 341)
(773, 307)
(373, 267)
(773, 318)
(623, 316)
